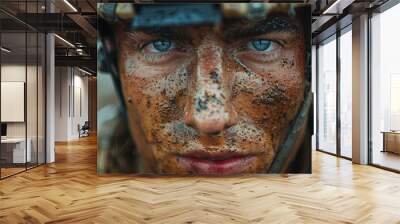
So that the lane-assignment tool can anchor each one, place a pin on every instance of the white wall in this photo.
(61, 103)
(79, 117)
(16, 73)
(33, 127)
(71, 94)
(12, 73)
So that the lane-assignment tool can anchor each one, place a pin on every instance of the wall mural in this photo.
(204, 89)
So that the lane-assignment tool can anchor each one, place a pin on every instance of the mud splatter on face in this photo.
(273, 95)
(203, 103)
(216, 97)
(215, 77)
(287, 63)
(168, 84)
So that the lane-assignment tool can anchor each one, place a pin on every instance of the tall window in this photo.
(385, 89)
(346, 93)
(327, 96)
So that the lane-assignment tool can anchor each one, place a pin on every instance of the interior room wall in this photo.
(61, 103)
(16, 72)
(69, 112)
(92, 98)
(80, 109)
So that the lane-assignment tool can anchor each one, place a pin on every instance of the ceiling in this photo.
(77, 25)
(19, 53)
(76, 22)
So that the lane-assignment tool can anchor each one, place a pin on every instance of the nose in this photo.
(209, 109)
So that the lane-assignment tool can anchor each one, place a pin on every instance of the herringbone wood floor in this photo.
(70, 191)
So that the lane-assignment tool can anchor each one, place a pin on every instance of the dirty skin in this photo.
(183, 95)
(287, 63)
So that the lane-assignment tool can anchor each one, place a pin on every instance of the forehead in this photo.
(225, 16)
(228, 29)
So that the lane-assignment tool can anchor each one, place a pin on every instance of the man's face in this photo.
(213, 100)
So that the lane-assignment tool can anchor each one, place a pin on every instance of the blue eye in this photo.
(161, 45)
(260, 45)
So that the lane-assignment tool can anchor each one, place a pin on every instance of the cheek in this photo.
(133, 63)
(159, 96)
(270, 94)
(168, 85)
(168, 93)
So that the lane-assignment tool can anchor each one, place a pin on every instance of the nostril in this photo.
(214, 133)
(210, 122)
(209, 126)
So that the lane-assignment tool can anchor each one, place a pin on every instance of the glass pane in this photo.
(346, 94)
(22, 64)
(32, 86)
(386, 89)
(327, 97)
(13, 87)
(41, 99)
(31, 97)
(314, 89)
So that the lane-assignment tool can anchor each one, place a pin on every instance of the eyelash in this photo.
(242, 51)
(157, 55)
(263, 56)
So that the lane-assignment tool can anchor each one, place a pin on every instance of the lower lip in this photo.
(229, 166)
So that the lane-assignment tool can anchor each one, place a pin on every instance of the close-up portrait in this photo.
(204, 89)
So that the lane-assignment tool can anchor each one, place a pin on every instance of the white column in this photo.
(360, 90)
(50, 100)
(50, 94)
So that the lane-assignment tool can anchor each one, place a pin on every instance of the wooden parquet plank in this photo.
(70, 191)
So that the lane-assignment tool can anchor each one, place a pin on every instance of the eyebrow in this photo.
(272, 24)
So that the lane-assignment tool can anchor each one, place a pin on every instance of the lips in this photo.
(217, 163)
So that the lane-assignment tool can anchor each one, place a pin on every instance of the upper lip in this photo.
(201, 154)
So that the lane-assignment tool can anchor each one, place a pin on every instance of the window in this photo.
(346, 93)
(327, 96)
(385, 89)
